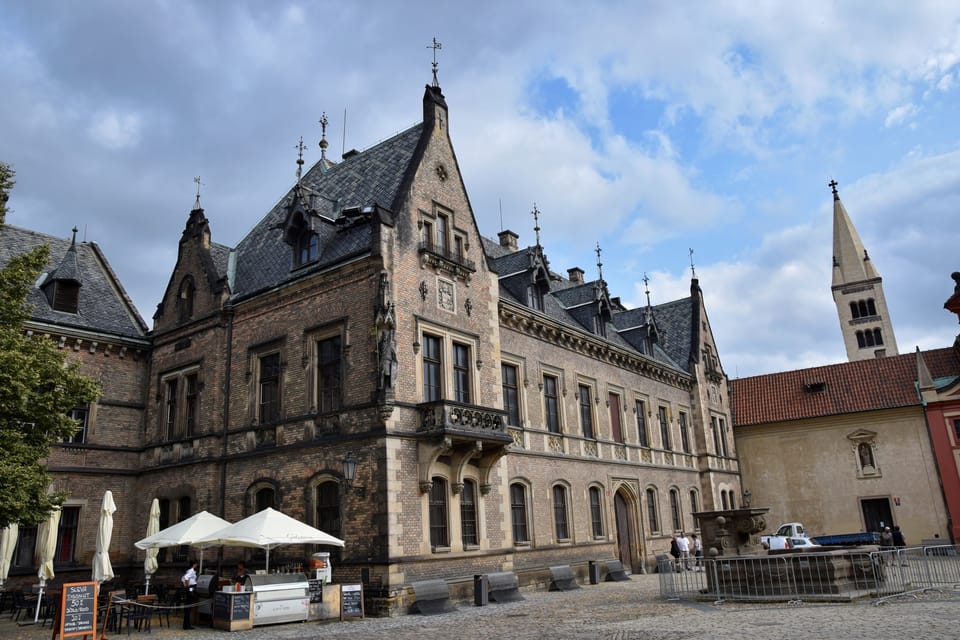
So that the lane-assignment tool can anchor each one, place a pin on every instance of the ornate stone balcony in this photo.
(464, 422)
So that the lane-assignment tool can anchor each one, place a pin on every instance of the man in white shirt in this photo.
(189, 581)
(684, 545)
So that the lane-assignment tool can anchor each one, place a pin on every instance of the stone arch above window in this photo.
(186, 298)
(261, 494)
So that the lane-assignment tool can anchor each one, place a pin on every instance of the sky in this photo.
(649, 128)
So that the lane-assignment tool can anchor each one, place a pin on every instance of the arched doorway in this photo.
(626, 530)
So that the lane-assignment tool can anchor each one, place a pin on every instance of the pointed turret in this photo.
(858, 292)
(62, 287)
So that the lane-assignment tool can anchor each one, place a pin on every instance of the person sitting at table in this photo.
(240, 577)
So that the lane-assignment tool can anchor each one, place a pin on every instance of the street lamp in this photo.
(350, 474)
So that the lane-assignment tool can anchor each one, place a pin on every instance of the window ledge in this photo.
(441, 549)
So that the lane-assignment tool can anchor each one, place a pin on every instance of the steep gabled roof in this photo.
(848, 387)
(104, 305)
(371, 177)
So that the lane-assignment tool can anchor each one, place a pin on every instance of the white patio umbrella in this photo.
(268, 529)
(187, 532)
(8, 542)
(47, 547)
(150, 562)
(102, 568)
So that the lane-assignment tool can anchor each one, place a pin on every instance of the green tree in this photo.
(38, 388)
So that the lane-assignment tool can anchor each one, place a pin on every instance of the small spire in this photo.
(693, 270)
(833, 186)
(599, 264)
(436, 45)
(73, 241)
(646, 287)
(196, 204)
(323, 136)
(299, 149)
(536, 222)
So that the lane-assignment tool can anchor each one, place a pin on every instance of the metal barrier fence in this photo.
(826, 576)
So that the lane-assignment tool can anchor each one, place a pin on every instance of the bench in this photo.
(562, 578)
(433, 597)
(503, 587)
(616, 572)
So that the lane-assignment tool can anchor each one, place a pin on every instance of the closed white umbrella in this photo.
(47, 546)
(8, 542)
(102, 569)
(153, 526)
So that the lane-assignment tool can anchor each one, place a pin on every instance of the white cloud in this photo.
(900, 114)
(114, 130)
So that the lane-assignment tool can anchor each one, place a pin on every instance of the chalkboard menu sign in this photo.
(315, 588)
(241, 606)
(351, 600)
(78, 610)
(232, 610)
(221, 605)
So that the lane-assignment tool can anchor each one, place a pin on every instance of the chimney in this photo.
(508, 239)
(576, 275)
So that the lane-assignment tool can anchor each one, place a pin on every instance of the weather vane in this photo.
(436, 45)
(536, 222)
(299, 149)
(197, 203)
(693, 270)
(646, 286)
(323, 136)
(599, 264)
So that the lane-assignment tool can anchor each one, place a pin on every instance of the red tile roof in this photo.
(849, 387)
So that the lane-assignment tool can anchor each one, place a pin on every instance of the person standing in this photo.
(684, 545)
(189, 581)
(240, 577)
(899, 542)
(697, 552)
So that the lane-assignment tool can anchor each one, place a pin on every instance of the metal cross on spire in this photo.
(646, 286)
(196, 205)
(323, 136)
(833, 186)
(299, 149)
(599, 264)
(693, 270)
(536, 222)
(436, 45)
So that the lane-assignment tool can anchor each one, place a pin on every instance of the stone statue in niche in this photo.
(865, 451)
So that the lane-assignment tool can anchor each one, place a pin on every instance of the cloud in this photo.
(114, 130)
(900, 115)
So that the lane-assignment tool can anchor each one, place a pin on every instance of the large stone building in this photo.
(851, 447)
(500, 416)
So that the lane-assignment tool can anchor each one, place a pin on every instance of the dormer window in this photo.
(534, 298)
(185, 300)
(65, 296)
(308, 247)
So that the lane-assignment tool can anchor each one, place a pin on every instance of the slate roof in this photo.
(849, 387)
(371, 177)
(570, 303)
(104, 305)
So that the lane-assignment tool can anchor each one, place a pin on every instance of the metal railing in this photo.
(824, 576)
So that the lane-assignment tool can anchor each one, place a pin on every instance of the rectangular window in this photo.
(164, 523)
(171, 409)
(329, 385)
(432, 389)
(560, 519)
(723, 436)
(675, 510)
(586, 411)
(511, 393)
(684, 436)
(534, 298)
(26, 543)
(716, 435)
(461, 373)
(269, 388)
(438, 513)
(328, 507)
(615, 428)
(518, 513)
(641, 410)
(468, 514)
(551, 404)
(191, 404)
(428, 234)
(67, 536)
(183, 512)
(443, 231)
(596, 512)
(458, 251)
(956, 431)
(694, 502)
(664, 428)
(652, 511)
(81, 415)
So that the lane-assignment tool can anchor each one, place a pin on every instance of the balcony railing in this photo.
(445, 258)
(465, 420)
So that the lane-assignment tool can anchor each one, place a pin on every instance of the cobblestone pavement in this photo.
(609, 611)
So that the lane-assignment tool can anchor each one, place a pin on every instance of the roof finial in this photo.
(323, 136)
(436, 45)
(73, 240)
(536, 222)
(646, 287)
(599, 264)
(833, 186)
(693, 270)
(196, 205)
(299, 149)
